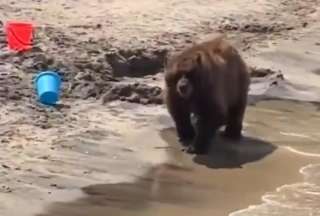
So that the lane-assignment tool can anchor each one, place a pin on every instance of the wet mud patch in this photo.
(232, 176)
(72, 47)
(160, 186)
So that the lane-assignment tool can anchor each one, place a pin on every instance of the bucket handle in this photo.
(18, 39)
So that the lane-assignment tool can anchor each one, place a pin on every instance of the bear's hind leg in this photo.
(235, 120)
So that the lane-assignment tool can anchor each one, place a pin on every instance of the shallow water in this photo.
(302, 197)
(299, 199)
(280, 138)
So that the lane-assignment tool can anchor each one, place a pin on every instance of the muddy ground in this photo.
(109, 146)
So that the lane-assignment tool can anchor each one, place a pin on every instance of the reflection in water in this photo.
(161, 185)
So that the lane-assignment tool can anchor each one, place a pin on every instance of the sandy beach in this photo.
(109, 147)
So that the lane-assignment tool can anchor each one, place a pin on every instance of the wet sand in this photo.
(88, 158)
(170, 189)
(232, 177)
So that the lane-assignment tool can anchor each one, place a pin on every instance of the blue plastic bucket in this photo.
(47, 85)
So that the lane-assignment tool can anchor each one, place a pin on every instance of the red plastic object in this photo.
(19, 35)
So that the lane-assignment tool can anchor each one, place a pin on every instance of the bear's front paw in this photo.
(196, 149)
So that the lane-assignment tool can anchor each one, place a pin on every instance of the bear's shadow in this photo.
(225, 153)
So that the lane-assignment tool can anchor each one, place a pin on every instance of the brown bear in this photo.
(211, 81)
